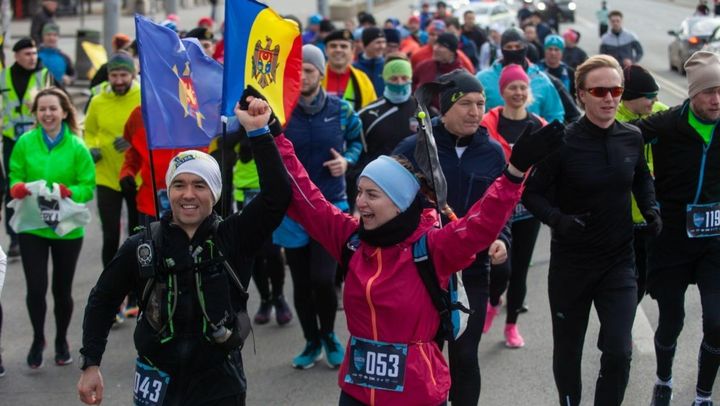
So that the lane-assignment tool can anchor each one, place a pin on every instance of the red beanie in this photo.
(512, 73)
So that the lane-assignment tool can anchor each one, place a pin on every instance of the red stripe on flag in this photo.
(291, 81)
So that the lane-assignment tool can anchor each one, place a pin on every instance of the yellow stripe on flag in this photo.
(269, 44)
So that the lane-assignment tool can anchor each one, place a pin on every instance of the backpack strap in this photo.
(351, 246)
(421, 257)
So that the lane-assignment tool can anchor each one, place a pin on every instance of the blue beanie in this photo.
(554, 41)
(398, 183)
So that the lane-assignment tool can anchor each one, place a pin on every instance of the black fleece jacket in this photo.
(593, 174)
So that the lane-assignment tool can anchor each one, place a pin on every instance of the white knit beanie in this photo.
(200, 164)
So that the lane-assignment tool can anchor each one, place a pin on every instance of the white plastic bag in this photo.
(45, 208)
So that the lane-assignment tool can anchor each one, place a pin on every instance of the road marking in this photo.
(671, 87)
(642, 333)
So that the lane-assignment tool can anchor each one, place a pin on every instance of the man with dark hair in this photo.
(619, 43)
(465, 44)
(472, 31)
(444, 60)
(341, 78)
(372, 59)
(206, 38)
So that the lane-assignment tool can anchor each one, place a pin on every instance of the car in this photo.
(713, 43)
(488, 13)
(566, 7)
(692, 35)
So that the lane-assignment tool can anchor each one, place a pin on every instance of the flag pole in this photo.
(152, 177)
(224, 120)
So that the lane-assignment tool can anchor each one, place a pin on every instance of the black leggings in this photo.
(269, 269)
(313, 274)
(34, 251)
(347, 400)
(675, 262)
(640, 245)
(463, 353)
(512, 275)
(572, 293)
(109, 203)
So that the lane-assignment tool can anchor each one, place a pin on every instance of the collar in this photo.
(396, 230)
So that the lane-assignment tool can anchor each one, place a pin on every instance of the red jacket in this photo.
(428, 71)
(137, 159)
(426, 52)
(490, 122)
(385, 299)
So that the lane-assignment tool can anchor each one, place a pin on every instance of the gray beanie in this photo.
(703, 72)
(197, 163)
(314, 56)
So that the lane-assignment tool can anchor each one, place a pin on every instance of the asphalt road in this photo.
(510, 377)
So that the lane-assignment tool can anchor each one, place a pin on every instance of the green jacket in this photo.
(245, 177)
(16, 115)
(625, 115)
(68, 163)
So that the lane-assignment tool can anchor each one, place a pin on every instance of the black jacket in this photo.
(467, 176)
(593, 173)
(677, 156)
(238, 237)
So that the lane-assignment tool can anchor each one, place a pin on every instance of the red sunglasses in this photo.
(601, 92)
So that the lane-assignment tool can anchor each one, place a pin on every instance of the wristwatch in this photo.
(86, 362)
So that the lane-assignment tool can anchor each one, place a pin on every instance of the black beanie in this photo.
(370, 34)
(638, 83)
(201, 33)
(23, 43)
(455, 85)
(344, 35)
(448, 40)
(392, 35)
(511, 35)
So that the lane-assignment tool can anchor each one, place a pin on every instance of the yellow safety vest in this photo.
(17, 117)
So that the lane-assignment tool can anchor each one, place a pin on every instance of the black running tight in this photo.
(269, 269)
(35, 252)
(313, 274)
(109, 203)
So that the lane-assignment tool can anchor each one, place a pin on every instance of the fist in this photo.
(256, 116)
(65, 192)
(19, 191)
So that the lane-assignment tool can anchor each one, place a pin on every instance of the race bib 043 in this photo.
(150, 385)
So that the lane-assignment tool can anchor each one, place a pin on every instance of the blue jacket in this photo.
(546, 102)
(468, 176)
(373, 68)
(335, 126)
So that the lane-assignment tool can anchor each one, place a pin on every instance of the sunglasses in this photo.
(616, 91)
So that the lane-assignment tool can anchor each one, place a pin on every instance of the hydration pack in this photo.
(452, 304)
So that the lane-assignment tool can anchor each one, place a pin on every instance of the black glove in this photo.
(571, 225)
(654, 222)
(533, 147)
(273, 122)
(120, 144)
(96, 155)
(127, 184)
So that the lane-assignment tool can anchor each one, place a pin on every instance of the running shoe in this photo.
(283, 315)
(662, 394)
(334, 351)
(513, 339)
(492, 311)
(35, 355)
(62, 354)
(14, 250)
(307, 358)
(131, 312)
(119, 318)
(263, 314)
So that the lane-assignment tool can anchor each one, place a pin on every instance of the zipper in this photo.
(373, 316)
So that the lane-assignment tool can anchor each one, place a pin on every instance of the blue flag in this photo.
(181, 88)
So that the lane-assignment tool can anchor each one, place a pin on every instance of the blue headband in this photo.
(398, 183)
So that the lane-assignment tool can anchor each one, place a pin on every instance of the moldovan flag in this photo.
(262, 50)
(181, 88)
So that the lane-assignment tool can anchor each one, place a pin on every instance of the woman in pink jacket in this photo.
(391, 358)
